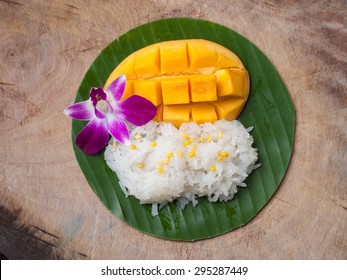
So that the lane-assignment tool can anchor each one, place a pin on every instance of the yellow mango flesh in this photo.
(149, 89)
(176, 114)
(203, 88)
(173, 57)
(188, 80)
(147, 63)
(227, 110)
(232, 82)
(203, 113)
(175, 90)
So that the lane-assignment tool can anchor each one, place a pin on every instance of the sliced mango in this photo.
(175, 90)
(159, 115)
(173, 57)
(149, 89)
(201, 55)
(203, 88)
(125, 67)
(129, 89)
(176, 114)
(227, 59)
(228, 109)
(203, 113)
(147, 63)
(188, 80)
(232, 82)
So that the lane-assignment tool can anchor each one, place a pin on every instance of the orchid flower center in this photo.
(100, 100)
(102, 105)
(97, 97)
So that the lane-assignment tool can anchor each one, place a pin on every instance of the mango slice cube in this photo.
(203, 113)
(228, 109)
(175, 90)
(231, 82)
(147, 63)
(201, 55)
(149, 89)
(176, 114)
(203, 88)
(173, 57)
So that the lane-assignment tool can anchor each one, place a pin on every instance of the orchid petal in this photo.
(82, 111)
(117, 87)
(118, 129)
(99, 114)
(137, 110)
(93, 137)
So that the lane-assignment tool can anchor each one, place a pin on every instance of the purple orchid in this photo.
(106, 114)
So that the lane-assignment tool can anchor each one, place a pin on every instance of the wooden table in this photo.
(48, 210)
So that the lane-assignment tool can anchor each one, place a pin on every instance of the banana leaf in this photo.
(269, 110)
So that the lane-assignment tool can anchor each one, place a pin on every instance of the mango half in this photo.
(188, 80)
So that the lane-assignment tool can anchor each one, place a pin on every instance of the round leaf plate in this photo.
(269, 110)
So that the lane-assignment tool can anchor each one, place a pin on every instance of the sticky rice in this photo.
(164, 163)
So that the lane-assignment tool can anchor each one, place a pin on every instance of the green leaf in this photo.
(269, 110)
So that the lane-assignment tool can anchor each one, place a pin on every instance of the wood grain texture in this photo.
(47, 209)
